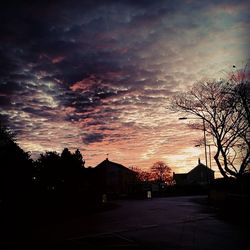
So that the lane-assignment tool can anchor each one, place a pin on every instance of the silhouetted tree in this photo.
(66, 154)
(63, 172)
(66, 162)
(73, 162)
(79, 159)
(51, 174)
(240, 98)
(73, 167)
(224, 107)
(15, 189)
(16, 167)
(161, 172)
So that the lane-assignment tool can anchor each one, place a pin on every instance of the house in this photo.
(180, 179)
(115, 179)
(199, 175)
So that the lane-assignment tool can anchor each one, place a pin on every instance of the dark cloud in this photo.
(42, 111)
(104, 65)
(5, 101)
(92, 138)
(86, 48)
(4, 119)
(9, 88)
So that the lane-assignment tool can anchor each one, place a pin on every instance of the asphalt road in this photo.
(158, 223)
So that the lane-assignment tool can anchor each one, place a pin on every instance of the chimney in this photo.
(199, 161)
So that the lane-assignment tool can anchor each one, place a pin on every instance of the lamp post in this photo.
(210, 162)
(204, 134)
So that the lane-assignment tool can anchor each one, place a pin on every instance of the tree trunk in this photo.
(216, 158)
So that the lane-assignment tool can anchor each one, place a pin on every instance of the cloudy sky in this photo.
(97, 75)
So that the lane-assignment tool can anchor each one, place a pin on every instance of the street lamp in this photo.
(204, 134)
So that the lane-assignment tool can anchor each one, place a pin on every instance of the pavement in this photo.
(171, 223)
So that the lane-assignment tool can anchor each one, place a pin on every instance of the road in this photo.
(159, 223)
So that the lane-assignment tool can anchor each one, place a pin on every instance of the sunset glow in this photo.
(98, 75)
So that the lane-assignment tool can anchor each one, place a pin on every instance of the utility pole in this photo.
(205, 141)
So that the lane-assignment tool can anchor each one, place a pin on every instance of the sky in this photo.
(98, 75)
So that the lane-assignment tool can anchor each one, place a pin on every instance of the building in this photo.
(199, 175)
(115, 179)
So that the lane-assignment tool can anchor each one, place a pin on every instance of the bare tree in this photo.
(161, 172)
(224, 108)
(240, 95)
(142, 175)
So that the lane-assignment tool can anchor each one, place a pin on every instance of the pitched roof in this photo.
(107, 163)
(200, 166)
